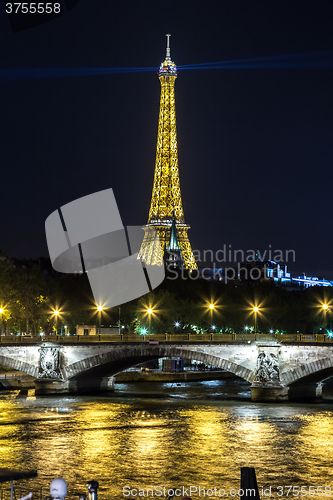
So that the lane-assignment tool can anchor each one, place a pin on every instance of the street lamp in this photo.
(255, 310)
(326, 310)
(149, 312)
(56, 314)
(1, 313)
(99, 309)
(211, 308)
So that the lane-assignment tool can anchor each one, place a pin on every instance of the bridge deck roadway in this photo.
(167, 337)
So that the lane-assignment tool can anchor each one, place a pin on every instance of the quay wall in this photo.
(189, 376)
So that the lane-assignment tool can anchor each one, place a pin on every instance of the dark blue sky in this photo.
(255, 145)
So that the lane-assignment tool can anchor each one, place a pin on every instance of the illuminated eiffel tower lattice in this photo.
(166, 216)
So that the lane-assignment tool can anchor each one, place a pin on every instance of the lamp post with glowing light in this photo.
(255, 310)
(99, 310)
(56, 314)
(211, 308)
(149, 312)
(326, 310)
(1, 313)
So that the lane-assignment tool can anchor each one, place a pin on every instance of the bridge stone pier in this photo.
(275, 371)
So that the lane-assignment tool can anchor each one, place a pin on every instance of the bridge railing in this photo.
(167, 337)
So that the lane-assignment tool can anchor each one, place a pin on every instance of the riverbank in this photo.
(12, 381)
(18, 380)
(158, 376)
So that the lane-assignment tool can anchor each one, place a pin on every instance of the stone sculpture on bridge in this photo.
(267, 369)
(49, 363)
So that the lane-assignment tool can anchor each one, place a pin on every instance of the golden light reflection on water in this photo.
(148, 442)
(316, 442)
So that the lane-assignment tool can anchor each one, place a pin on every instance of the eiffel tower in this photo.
(166, 216)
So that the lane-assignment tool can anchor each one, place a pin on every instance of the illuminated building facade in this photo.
(166, 215)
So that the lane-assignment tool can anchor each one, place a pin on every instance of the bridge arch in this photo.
(17, 364)
(117, 360)
(316, 371)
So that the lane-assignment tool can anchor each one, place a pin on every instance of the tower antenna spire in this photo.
(168, 47)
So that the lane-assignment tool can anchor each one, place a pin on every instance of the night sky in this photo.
(255, 144)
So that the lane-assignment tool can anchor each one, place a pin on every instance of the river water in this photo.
(167, 435)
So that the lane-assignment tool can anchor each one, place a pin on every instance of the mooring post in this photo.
(248, 484)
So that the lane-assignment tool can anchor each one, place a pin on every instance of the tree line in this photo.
(30, 293)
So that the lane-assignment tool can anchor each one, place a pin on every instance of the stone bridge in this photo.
(275, 371)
